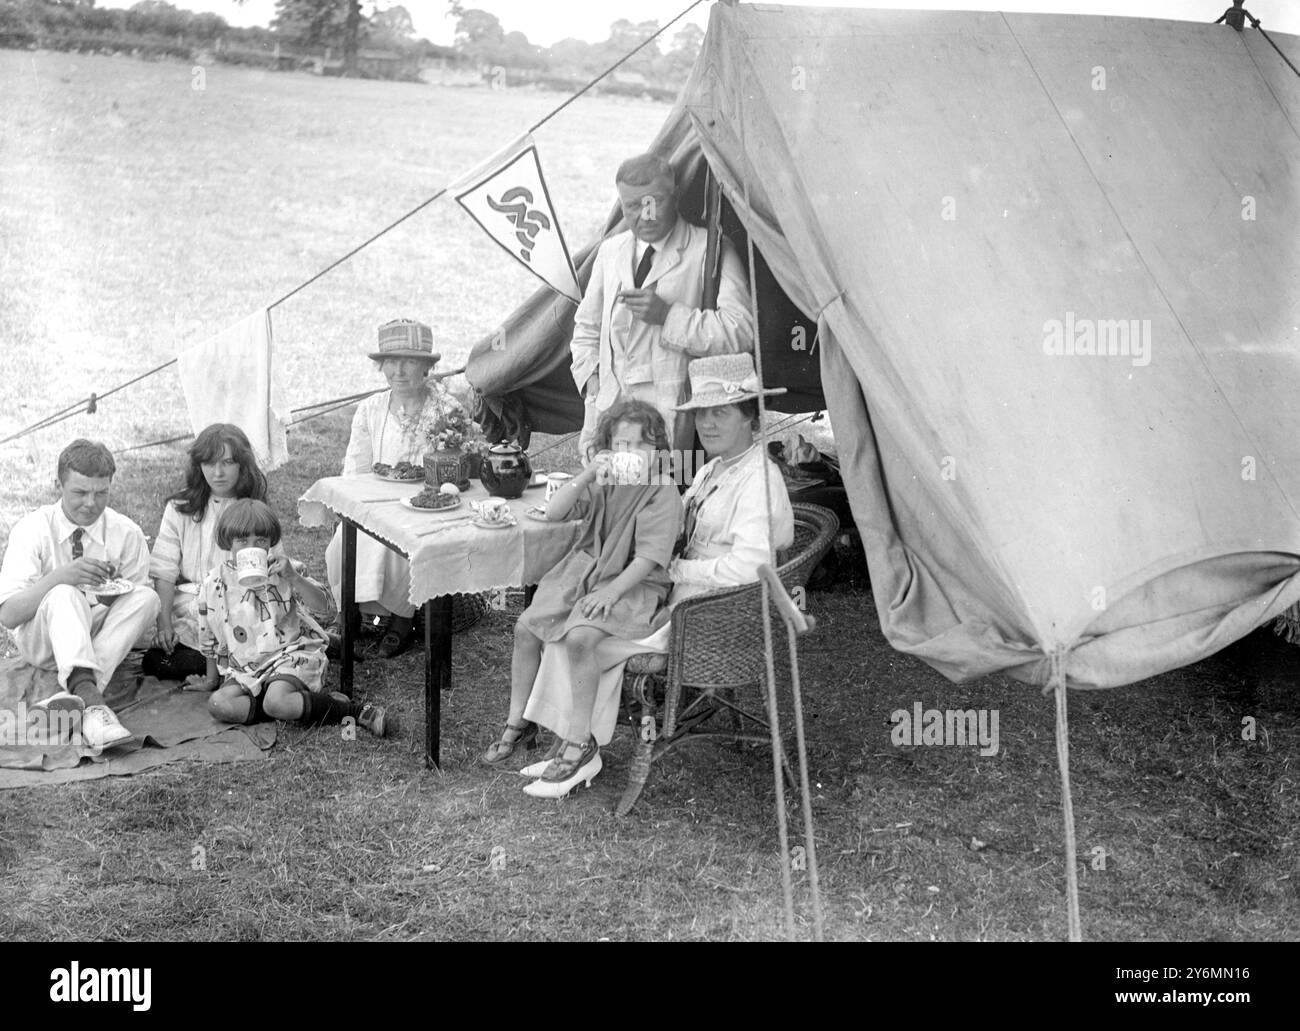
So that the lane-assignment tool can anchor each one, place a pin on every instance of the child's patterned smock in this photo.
(259, 634)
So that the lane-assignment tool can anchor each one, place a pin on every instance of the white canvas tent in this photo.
(964, 202)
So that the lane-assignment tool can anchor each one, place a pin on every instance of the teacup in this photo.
(493, 510)
(626, 467)
(251, 567)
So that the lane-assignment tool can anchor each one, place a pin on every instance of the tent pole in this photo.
(1060, 686)
(713, 249)
(774, 718)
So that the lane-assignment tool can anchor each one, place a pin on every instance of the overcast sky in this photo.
(546, 21)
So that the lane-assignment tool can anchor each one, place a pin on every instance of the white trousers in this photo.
(68, 632)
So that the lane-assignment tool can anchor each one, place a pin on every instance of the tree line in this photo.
(353, 37)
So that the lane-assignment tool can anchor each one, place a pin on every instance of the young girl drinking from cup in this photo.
(221, 469)
(256, 634)
(612, 583)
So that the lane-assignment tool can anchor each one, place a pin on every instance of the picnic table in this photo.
(448, 553)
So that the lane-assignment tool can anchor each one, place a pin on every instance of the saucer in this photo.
(483, 524)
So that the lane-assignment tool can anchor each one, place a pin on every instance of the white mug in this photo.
(626, 467)
(555, 481)
(251, 567)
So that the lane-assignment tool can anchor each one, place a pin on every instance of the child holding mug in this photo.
(256, 633)
(612, 583)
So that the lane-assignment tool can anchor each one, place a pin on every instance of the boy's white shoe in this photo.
(55, 720)
(60, 701)
(101, 729)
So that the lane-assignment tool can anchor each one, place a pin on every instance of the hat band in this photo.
(405, 345)
(717, 385)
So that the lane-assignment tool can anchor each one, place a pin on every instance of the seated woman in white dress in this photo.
(221, 468)
(390, 428)
(730, 530)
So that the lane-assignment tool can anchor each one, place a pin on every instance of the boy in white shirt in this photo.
(56, 556)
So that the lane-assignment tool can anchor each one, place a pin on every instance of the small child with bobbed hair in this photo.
(265, 653)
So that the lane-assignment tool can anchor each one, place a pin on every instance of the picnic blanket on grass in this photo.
(169, 724)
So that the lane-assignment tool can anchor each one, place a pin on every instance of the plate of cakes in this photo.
(112, 587)
(402, 472)
(445, 499)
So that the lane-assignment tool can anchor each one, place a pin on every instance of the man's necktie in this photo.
(643, 269)
(77, 550)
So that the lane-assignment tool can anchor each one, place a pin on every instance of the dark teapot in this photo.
(505, 470)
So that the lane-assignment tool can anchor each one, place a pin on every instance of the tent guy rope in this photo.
(326, 408)
(1234, 17)
(774, 718)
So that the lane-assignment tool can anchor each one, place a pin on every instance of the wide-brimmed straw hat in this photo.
(724, 379)
(405, 338)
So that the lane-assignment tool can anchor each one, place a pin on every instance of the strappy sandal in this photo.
(499, 751)
(538, 768)
(563, 775)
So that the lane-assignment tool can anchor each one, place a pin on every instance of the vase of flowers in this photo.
(451, 442)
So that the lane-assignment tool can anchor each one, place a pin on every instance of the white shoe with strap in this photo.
(565, 773)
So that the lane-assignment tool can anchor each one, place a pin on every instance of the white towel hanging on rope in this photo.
(230, 378)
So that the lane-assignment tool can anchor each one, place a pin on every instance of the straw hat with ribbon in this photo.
(405, 338)
(724, 379)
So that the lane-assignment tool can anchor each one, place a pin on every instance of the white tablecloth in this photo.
(448, 553)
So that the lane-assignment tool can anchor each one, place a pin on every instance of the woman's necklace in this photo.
(717, 475)
(408, 425)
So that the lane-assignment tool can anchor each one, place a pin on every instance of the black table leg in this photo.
(437, 673)
(348, 604)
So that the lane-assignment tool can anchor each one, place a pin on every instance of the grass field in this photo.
(136, 211)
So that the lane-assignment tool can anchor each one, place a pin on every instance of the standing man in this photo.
(53, 554)
(640, 322)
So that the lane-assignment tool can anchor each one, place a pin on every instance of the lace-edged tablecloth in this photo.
(448, 553)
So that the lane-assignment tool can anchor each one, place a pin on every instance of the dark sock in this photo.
(324, 708)
(255, 712)
(81, 682)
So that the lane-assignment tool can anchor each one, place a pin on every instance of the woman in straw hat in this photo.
(730, 530)
(390, 428)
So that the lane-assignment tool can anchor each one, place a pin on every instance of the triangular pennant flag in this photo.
(507, 196)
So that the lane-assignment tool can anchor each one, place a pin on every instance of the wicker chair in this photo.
(715, 647)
